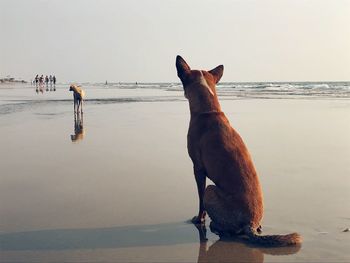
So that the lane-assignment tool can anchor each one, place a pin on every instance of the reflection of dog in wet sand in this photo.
(230, 251)
(235, 202)
(78, 96)
(78, 128)
(235, 249)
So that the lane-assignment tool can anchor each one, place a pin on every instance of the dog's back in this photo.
(215, 145)
(78, 92)
(222, 152)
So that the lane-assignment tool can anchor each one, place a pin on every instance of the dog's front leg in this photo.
(200, 175)
(202, 232)
(75, 106)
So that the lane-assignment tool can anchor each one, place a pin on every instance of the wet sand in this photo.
(124, 191)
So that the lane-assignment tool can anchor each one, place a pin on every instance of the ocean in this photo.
(99, 93)
(236, 90)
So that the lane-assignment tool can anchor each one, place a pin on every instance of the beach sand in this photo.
(124, 192)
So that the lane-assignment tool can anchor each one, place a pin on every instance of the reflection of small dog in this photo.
(78, 96)
(78, 128)
(235, 202)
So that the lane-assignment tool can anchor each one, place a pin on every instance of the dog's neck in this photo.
(207, 113)
(204, 103)
(204, 109)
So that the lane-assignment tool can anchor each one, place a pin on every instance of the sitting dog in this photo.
(235, 202)
(78, 96)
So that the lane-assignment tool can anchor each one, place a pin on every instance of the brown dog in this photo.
(235, 202)
(78, 97)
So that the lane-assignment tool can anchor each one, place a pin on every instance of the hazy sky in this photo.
(137, 40)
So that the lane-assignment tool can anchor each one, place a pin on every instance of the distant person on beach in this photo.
(54, 82)
(35, 83)
(41, 80)
(47, 82)
(51, 80)
(36, 79)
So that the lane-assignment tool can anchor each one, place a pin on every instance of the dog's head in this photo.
(199, 85)
(73, 87)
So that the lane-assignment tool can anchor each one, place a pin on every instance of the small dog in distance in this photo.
(78, 96)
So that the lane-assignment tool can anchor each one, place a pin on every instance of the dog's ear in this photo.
(217, 73)
(182, 68)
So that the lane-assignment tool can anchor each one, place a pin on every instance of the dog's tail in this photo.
(272, 240)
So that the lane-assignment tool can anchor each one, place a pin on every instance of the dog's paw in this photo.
(197, 220)
(259, 229)
(202, 230)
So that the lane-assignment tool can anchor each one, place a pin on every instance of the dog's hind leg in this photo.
(225, 218)
(78, 106)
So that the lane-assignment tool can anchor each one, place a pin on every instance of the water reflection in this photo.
(39, 89)
(42, 90)
(78, 127)
(139, 236)
(93, 238)
(234, 250)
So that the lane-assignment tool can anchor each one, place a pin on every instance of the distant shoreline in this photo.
(11, 80)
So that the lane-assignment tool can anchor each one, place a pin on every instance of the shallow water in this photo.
(124, 190)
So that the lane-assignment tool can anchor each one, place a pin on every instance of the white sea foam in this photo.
(286, 89)
(18, 98)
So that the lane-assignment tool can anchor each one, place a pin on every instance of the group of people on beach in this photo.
(41, 82)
